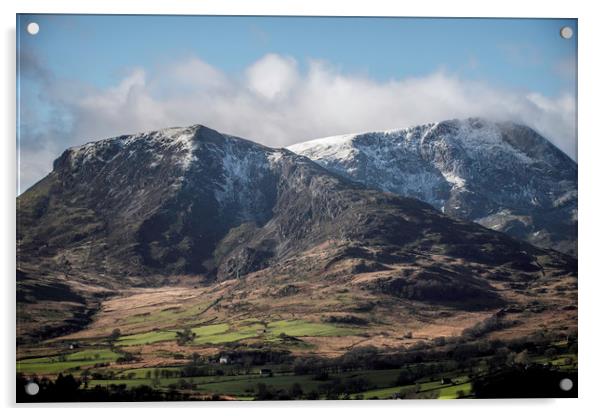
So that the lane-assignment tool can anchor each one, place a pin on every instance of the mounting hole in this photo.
(566, 384)
(32, 388)
(33, 28)
(566, 32)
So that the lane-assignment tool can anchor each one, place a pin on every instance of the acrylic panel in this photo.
(295, 208)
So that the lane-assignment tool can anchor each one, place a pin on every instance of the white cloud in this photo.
(276, 104)
(273, 76)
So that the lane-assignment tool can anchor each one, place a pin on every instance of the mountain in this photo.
(503, 176)
(251, 223)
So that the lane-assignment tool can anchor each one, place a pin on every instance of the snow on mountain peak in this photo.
(502, 175)
(473, 168)
(178, 140)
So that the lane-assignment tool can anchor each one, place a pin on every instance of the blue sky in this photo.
(519, 53)
(79, 61)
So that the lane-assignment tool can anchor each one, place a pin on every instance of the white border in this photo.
(590, 189)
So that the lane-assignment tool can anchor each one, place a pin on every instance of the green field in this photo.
(451, 392)
(63, 363)
(208, 330)
(168, 316)
(224, 333)
(221, 333)
(383, 394)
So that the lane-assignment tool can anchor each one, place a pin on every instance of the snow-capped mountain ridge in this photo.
(127, 213)
(473, 169)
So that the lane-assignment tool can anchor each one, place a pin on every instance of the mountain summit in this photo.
(504, 176)
(139, 210)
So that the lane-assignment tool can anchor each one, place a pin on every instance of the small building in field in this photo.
(266, 372)
(224, 359)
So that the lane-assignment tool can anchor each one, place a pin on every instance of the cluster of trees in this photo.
(115, 334)
(265, 392)
(336, 388)
(449, 354)
(490, 324)
(409, 374)
(185, 336)
(126, 357)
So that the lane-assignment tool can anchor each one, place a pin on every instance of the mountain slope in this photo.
(137, 211)
(501, 175)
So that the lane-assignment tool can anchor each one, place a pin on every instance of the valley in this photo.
(229, 353)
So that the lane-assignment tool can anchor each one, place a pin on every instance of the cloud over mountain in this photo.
(276, 101)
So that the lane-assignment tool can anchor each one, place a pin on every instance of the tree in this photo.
(115, 335)
(185, 337)
(66, 384)
(127, 357)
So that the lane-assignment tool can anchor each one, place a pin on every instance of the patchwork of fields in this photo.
(225, 333)
(172, 342)
(243, 382)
